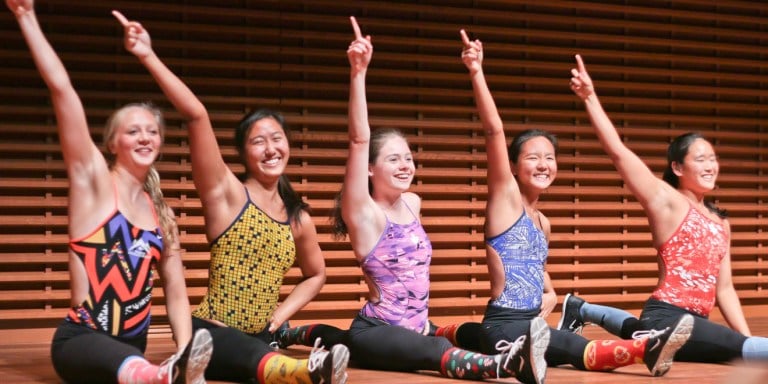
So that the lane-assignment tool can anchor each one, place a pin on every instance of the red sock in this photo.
(137, 370)
(449, 332)
(607, 355)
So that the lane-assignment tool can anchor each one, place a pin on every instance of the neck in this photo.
(390, 202)
(695, 198)
(128, 181)
(530, 197)
(265, 187)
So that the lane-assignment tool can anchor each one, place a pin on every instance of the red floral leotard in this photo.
(691, 263)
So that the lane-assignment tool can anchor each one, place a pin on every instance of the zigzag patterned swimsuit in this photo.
(120, 260)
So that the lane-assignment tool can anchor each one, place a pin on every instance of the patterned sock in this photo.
(275, 368)
(463, 364)
(607, 355)
(449, 332)
(297, 335)
(137, 370)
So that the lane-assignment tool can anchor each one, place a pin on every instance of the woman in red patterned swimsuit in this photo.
(692, 237)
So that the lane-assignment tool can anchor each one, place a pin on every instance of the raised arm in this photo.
(211, 174)
(79, 151)
(503, 192)
(357, 206)
(655, 195)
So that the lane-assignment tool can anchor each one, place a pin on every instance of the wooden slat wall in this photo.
(662, 68)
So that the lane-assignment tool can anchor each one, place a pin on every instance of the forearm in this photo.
(182, 98)
(548, 287)
(47, 62)
(359, 130)
(730, 307)
(179, 315)
(301, 295)
(606, 131)
(486, 107)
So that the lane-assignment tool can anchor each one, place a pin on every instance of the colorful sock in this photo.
(607, 355)
(275, 368)
(298, 335)
(463, 364)
(137, 370)
(449, 332)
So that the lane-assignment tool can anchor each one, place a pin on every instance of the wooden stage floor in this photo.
(24, 358)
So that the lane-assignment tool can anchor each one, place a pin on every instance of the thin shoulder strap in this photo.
(409, 210)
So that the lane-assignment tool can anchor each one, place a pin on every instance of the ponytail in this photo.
(168, 224)
(293, 202)
(338, 226)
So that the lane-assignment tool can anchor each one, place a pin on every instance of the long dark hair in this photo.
(676, 152)
(293, 202)
(517, 143)
(378, 137)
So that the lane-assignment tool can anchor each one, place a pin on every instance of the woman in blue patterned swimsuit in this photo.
(517, 236)
(120, 230)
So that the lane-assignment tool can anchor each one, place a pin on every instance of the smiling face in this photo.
(536, 165)
(266, 149)
(393, 167)
(699, 169)
(134, 136)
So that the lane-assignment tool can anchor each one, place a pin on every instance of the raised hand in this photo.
(20, 7)
(137, 39)
(472, 54)
(360, 50)
(581, 83)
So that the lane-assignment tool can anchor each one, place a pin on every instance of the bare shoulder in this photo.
(413, 200)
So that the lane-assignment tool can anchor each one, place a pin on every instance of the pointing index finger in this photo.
(355, 27)
(580, 64)
(119, 16)
(464, 37)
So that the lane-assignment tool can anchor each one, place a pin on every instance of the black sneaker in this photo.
(525, 357)
(570, 319)
(189, 367)
(328, 367)
(662, 345)
(281, 338)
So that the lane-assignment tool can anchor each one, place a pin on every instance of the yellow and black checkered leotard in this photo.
(248, 262)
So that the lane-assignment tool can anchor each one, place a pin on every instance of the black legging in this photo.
(236, 355)
(83, 355)
(709, 342)
(328, 334)
(374, 344)
(508, 324)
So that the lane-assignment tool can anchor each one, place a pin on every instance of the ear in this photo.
(677, 168)
(370, 170)
(111, 147)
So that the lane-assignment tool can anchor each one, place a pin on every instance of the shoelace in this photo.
(652, 333)
(511, 349)
(648, 333)
(580, 329)
(316, 356)
(167, 367)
